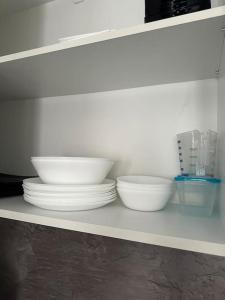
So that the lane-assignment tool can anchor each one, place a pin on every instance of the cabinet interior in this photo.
(136, 126)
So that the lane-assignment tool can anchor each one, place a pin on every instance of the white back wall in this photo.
(135, 127)
(47, 23)
(215, 3)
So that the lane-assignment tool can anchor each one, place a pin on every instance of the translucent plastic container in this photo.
(197, 152)
(197, 195)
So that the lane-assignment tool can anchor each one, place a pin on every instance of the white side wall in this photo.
(221, 129)
(217, 2)
(135, 127)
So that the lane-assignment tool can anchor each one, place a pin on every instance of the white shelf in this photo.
(8, 7)
(178, 49)
(164, 228)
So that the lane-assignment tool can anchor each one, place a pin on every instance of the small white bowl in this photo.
(145, 200)
(143, 182)
(144, 188)
(72, 170)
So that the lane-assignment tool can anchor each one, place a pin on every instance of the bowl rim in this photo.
(141, 188)
(150, 191)
(124, 180)
(70, 158)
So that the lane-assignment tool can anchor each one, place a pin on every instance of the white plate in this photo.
(76, 200)
(36, 184)
(70, 195)
(61, 206)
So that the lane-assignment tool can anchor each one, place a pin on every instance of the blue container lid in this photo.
(197, 178)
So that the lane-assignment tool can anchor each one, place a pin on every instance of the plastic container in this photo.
(197, 195)
(188, 143)
(197, 152)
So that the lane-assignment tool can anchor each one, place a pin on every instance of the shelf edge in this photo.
(119, 33)
(124, 234)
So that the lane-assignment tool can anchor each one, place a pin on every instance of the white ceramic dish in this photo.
(35, 184)
(64, 205)
(77, 200)
(70, 195)
(145, 200)
(143, 182)
(72, 170)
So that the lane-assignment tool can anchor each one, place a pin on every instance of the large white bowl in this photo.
(72, 170)
(145, 200)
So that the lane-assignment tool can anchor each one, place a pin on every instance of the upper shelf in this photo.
(178, 49)
(8, 7)
(164, 228)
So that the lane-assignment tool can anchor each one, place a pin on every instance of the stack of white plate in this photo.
(70, 183)
(68, 197)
